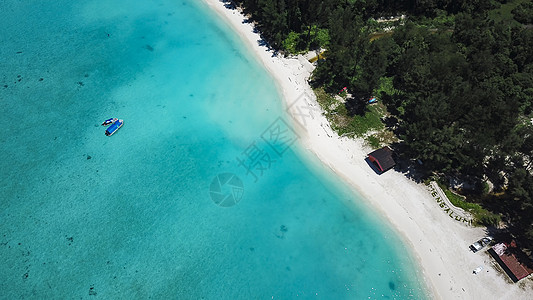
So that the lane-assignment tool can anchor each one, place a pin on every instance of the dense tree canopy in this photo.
(462, 80)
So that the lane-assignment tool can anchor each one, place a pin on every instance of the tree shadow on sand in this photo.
(229, 4)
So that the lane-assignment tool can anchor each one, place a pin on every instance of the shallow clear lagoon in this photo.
(204, 193)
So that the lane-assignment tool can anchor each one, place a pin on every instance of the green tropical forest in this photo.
(454, 81)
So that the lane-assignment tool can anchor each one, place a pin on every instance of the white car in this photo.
(475, 247)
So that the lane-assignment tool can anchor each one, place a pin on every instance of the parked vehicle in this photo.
(475, 247)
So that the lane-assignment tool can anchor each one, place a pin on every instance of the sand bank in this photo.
(439, 243)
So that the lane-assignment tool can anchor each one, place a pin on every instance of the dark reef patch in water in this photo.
(92, 292)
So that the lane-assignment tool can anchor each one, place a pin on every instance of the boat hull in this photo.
(114, 127)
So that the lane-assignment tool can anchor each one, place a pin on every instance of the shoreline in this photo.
(438, 243)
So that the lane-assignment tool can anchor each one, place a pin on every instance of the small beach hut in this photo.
(382, 159)
(512, 260)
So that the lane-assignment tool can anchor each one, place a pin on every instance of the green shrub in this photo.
(291, 42)
(373, 141)
(321, 37)
(523, 13)
(485, 188)
(481, 215)
(487, 218)
(371, 120)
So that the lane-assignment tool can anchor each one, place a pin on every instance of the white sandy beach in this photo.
(439, 243)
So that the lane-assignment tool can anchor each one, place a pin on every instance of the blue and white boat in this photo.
(109, 121)
(114, 127)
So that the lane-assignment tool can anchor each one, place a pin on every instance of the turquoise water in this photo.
(132, 216)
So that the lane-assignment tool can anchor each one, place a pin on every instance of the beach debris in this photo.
(477, 270)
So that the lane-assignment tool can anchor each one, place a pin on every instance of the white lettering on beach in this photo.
(455, 213)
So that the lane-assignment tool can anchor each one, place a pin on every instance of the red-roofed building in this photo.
(513, 260)
(382, 159)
